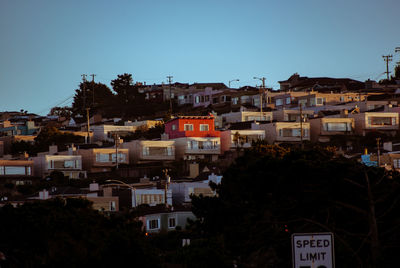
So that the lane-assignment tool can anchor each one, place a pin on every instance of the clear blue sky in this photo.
(45, 45)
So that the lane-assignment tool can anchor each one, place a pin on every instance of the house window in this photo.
(1, 170)
(197, 99)
(195, 145)
(341, 98)
(320, 101)
(235, 100)
(153, 224)
(303, 103)
(290, 132)
(288, 100)
(171, 222)
(69, 164)
(121, 157)
(396, 163)
(169, 150)
(112, 206)
(146, 151)
(28, 171)
(203, 127)
(278, 102)
(102, 158)
(381, 121)
(188, 127)
(207, 98)
(337, 126)
(173, 127)
(10, 170)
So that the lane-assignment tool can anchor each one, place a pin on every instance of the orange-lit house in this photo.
(195, 137)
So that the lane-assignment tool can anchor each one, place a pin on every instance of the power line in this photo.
(56, 104)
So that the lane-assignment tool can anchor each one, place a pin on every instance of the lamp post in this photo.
(261, 93)
(234, 80)
(133, 189)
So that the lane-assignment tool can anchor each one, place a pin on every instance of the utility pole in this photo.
(116, 140)
(387, 59)
(88, 125)
(84, 90)
(167, 182)
(379, 151)
(262, 89)
(92, 75)
(170, 94)
(301, 127)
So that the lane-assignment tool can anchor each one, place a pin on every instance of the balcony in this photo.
(382, 122)
(202, 147)
(158, 153)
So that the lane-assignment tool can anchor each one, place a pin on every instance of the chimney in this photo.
(93, 187)
(53, 149)
(107, 191)
(71, 149)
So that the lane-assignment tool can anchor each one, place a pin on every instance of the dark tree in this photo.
(270, 193)
(129, 98)
(123, 85)
(69, 233)
(51, 135)
(96, 96)
(61, 111)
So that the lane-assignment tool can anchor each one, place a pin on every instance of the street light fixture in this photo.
(234, 80)
(133, 189)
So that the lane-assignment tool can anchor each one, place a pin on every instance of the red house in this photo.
(191, 126)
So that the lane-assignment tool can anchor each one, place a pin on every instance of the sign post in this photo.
(313, 250)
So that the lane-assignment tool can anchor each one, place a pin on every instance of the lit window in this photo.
(203, 127)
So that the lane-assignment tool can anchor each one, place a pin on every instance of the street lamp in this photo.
(133, 189)
(234, 80)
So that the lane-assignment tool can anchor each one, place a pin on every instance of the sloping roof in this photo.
(320, 82)
(213, 85)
